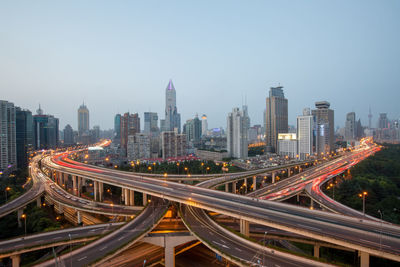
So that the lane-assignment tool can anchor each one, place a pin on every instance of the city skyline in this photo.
(121, 61)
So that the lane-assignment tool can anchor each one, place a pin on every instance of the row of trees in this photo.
(379, 176)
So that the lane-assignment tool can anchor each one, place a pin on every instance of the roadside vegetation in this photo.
(379, 177)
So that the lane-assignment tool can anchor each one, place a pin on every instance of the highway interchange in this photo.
(373, 237)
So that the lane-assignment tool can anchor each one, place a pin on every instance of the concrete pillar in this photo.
(169, 252)
(95, 190)
(244, 227)
(132, 198)
(39, 202)
(226, 187)
(312, 204)
(79, 191)
(254, 183)
(273, 177)
(100, 187)
(19, 214)
(234, 187)
(316, 250)
(74, 185)
(245, 185)
(144, 199)
(16, 260)
(364, 259)
(288, 172)
(78, 217)
(298, 197)
(126, 196)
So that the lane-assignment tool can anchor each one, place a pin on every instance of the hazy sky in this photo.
(118, 56)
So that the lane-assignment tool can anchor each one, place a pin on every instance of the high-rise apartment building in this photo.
(305, 134)
(173, 144)
(68, 135)
(287, 145)
(138, 146)
(117, 128)
(45, 130)
(151, 123)
(383, 122)
(325, 127)
(130, 125)
(236, 132)
(192, 129)
(83, 120)
(204, 125)
(276, 117)
(172, 117)
(350, 126)
(24, 135)
(8, 148)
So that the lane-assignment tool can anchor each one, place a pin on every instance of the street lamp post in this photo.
(363, 195)
(6, 191)
(23, 216)
(70, 249)
(380, 236)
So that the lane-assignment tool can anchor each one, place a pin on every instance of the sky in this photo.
(118, 56)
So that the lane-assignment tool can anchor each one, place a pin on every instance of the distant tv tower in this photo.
(369, 118)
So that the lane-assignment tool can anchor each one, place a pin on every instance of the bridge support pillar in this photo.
(169, 252)
(131, 198)
(74, 185)
(273, 177)
(312, 204)
(254, 183)
(79, 187)
(244, 227)
(288, 172)
(95, 190)
(245, 185)
(19, 214)
(100, 187)
(226, 187)
(316, 250)
(16, 260)
(144, 202)
(298, 197)
(39, 202)
(234, 187)
(79, 217)
(364, 259)
(126, 195)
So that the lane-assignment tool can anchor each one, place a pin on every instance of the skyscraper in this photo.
(138, 146)
(83, 120)
(383, 122)
(24, 135)
(151, 123)
(325, 126)
(276, 117)
(130, 125)
(351, 126)
(192, 129)
(8, 148)
(236, 132)
(117, 128)
(305, 134)
(68, 135)
(172, 117)
(204, 125)
(45, 130)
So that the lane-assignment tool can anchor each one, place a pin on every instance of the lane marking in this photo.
(103, 248)
(82, 258)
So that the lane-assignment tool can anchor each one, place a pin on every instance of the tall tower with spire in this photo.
(172, 117)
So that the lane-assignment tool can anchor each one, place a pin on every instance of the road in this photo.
(117, 240)
(375, 238)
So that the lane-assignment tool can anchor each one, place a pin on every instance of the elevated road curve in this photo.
(368, 237)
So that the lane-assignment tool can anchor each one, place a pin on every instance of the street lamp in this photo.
(380, 236)
(333, 190)
(6, 191)
(70, 248)
(23, 216)
(363, 194)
